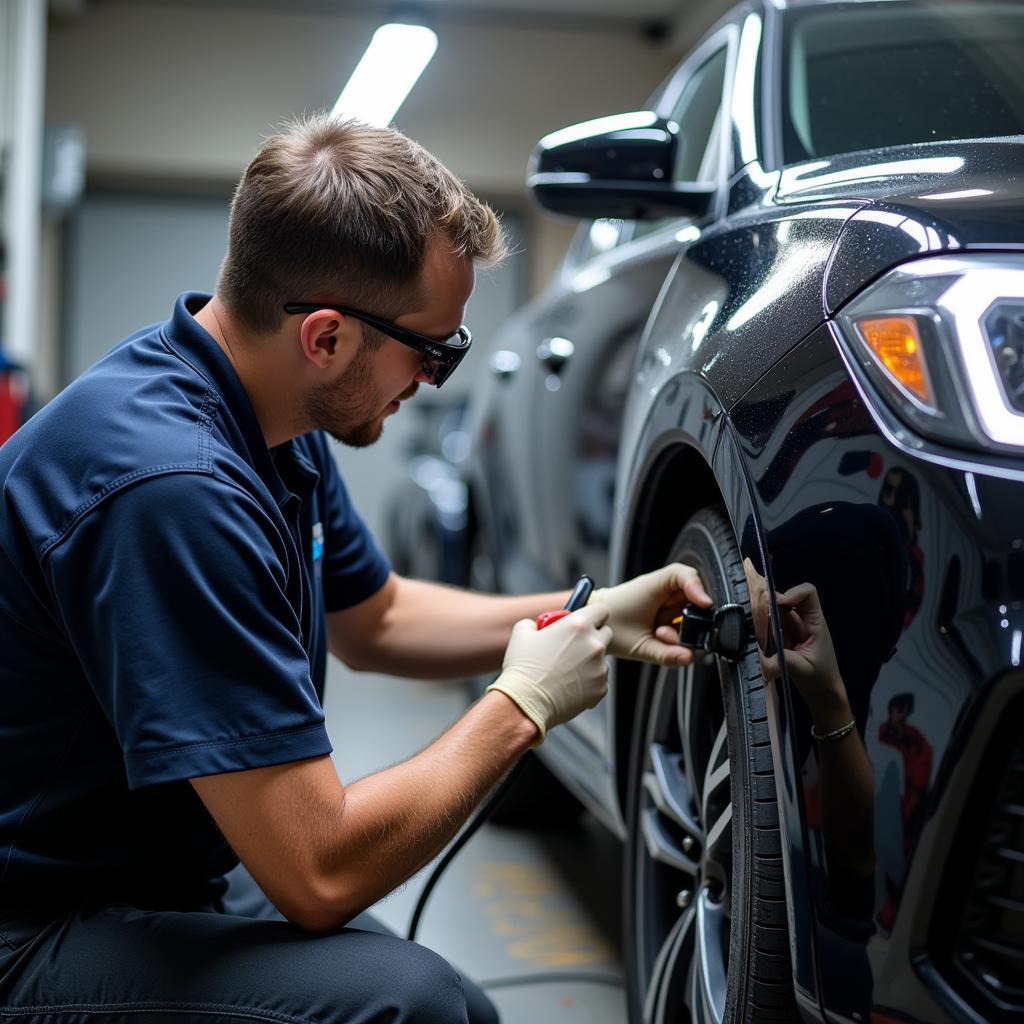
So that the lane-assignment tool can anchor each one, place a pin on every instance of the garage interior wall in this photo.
(185, 91)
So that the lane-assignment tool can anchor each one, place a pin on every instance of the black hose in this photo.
(577, 599)
(469, 830)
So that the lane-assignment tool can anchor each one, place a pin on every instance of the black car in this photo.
(788, 348)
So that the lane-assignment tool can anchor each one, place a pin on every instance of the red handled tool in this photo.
(577, 599)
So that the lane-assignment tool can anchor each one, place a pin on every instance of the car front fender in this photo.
(688, 457)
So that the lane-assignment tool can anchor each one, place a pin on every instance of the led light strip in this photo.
(967, 301)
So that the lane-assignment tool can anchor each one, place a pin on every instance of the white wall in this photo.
(127, 257)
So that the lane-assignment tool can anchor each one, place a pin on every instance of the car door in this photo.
(584, 354)
(591, 339)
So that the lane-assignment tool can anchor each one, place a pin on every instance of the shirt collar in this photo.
(300, 476)
(200, 350)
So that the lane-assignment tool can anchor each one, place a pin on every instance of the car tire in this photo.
(706, 936)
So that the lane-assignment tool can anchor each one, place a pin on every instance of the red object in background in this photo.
(13, 395)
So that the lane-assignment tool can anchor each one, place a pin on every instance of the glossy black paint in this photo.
(890, 543)
(970, 199)
(551, 514)
(742, 267)
(620, 171)
(741, 395)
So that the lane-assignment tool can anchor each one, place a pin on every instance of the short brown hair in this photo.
(339, 210)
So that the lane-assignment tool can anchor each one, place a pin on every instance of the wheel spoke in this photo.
(719, 840)
(688, 715)
(716, 778)
(709, 982)
(683, 833)
(718, 861)
(716, 813)
(670, 790)
(661, 846)
(664, 994)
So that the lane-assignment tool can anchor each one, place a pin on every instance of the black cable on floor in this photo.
(559, 977)
(458, 843)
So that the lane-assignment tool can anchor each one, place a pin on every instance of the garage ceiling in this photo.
(582, 14)
(580, 8)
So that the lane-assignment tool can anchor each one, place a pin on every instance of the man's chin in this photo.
(362, 436)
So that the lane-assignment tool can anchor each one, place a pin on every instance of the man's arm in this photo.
(428, 631)
(323, 852)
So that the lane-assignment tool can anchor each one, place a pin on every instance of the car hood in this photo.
(919, 200)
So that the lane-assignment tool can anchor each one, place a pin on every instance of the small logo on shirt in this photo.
(318, 541)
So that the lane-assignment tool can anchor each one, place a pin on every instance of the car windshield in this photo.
(887, 74)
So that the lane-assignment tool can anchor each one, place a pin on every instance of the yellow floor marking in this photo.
(526, 904)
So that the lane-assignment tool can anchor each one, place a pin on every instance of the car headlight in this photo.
(942, 341)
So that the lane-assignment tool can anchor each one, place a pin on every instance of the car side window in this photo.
(698, 113)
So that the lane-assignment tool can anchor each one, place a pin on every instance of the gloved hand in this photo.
(642, 610)
(553, 674)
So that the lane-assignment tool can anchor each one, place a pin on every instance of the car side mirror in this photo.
(621, 166)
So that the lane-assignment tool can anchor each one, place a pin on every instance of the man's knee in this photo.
(368, 977)
(427, 989)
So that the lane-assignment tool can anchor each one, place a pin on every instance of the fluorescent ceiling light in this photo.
(386, 73)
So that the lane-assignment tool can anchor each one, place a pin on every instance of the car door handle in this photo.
(554, 353)
(504, 363)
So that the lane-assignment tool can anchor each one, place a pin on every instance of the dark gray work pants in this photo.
(116, 963)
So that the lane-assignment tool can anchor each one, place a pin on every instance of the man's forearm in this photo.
(397, 820)
(431, 631)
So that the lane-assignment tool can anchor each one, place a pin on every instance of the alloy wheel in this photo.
(684, 863)
(705, 903)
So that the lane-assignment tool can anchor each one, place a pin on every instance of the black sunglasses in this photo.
(440, 358)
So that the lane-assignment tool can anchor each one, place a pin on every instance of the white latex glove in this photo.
(642, 610)
(554, 673)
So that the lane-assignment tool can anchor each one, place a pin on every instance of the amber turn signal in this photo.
(896, 344)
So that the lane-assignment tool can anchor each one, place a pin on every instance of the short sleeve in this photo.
(176, 597)
(354, 566)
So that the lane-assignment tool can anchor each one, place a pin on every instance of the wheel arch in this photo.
(684, 475)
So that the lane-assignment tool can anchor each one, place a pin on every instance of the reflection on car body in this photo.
(796, 316)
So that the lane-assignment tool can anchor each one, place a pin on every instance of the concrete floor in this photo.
(517, 908)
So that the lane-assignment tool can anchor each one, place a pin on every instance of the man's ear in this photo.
(326, 337)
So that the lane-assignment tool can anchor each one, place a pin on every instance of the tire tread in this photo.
(768, 997)
(760, 974)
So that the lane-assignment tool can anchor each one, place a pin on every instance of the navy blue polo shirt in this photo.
(163, 583)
